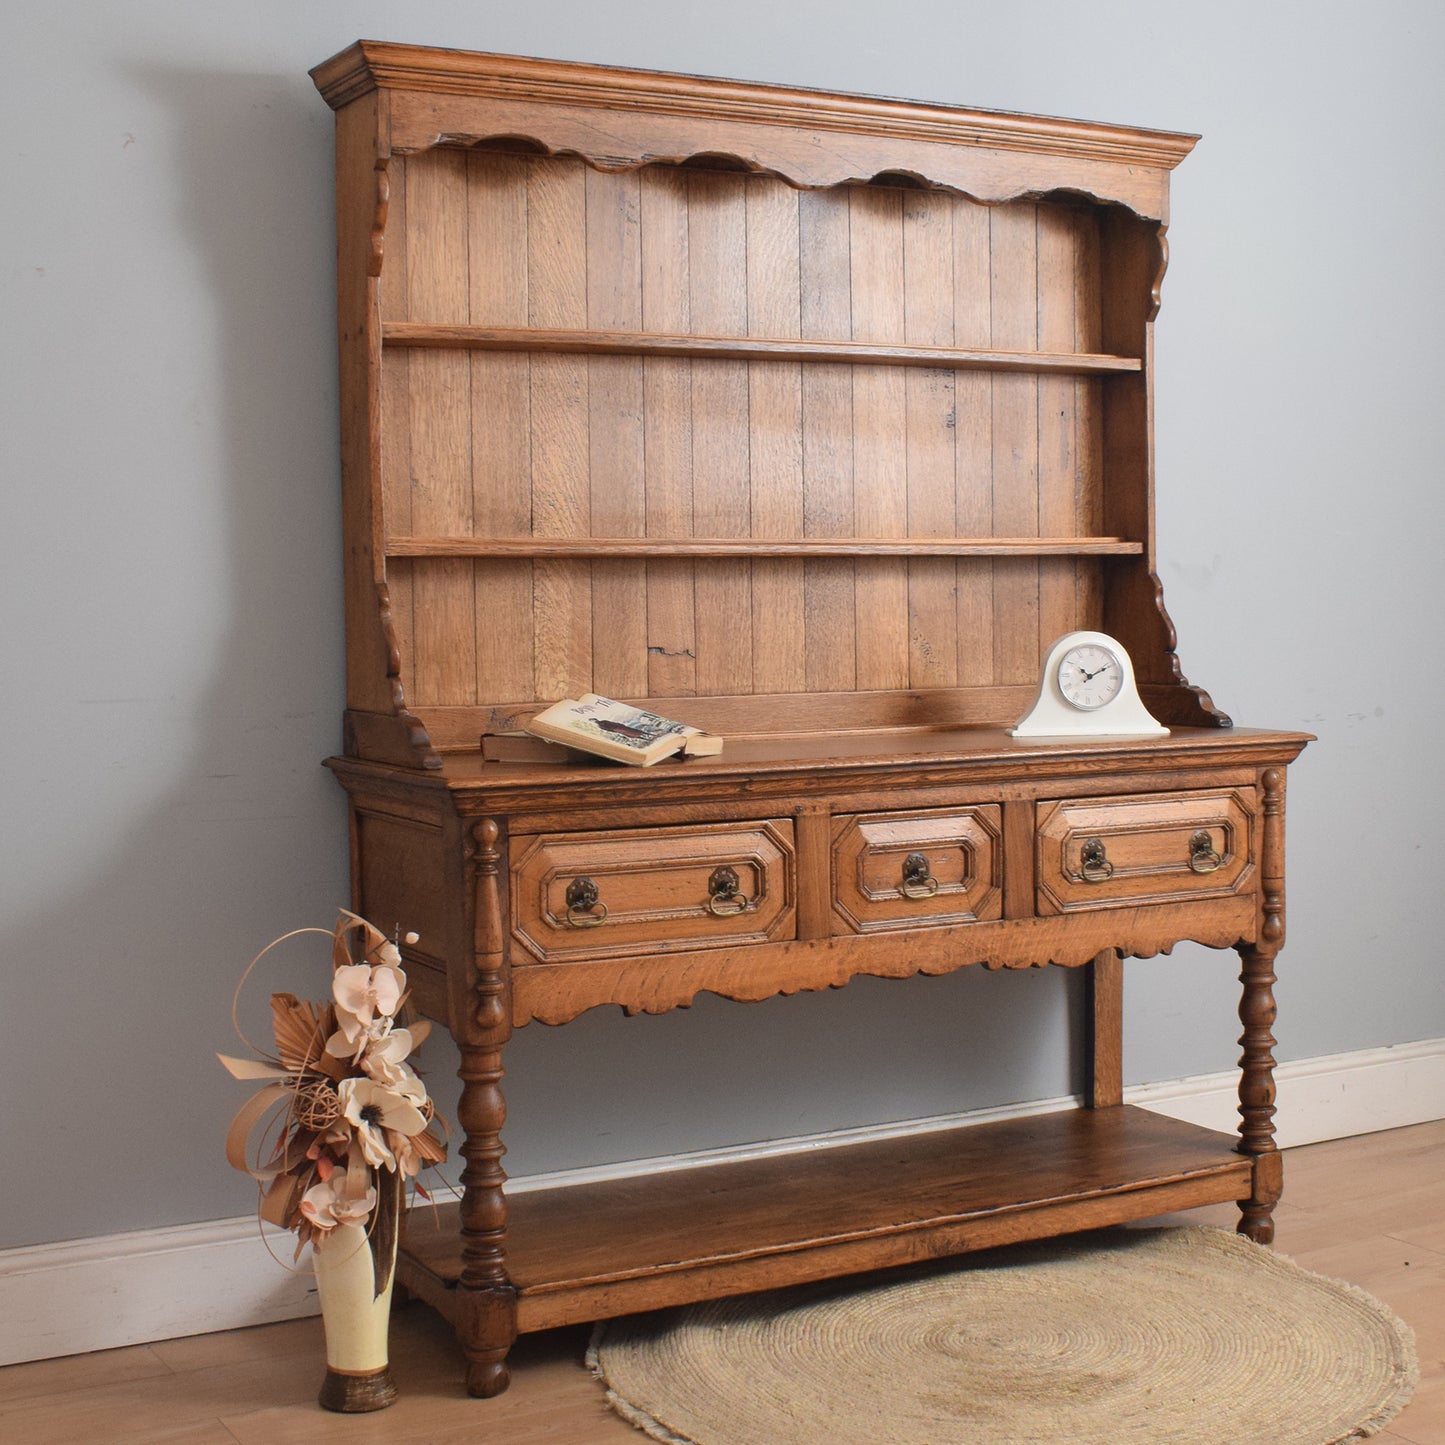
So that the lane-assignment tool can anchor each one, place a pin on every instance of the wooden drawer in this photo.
(652, 890)
(1160, 847)
(906, 870)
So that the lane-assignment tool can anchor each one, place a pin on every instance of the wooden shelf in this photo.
(510, 547)
(745, 348)
(589, 1251)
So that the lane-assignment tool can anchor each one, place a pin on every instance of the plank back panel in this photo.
(497, 203)
(880, 435)
(722, 485)
(932, 419)
(617, 438)
(826, 309)
(775, 429)
(671, 606)
(518, 444)
(440, 433)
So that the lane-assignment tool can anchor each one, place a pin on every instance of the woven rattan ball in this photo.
(315, 1105)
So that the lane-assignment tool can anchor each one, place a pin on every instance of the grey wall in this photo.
(170, 589)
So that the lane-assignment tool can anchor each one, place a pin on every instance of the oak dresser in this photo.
(812, 420)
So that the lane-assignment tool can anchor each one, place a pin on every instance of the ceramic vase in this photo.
(357, 1319)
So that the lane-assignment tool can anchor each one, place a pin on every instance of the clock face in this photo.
(1090, 676)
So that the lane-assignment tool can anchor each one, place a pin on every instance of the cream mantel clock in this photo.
(1088, 690)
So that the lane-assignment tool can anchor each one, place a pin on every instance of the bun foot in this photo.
(486, 1378)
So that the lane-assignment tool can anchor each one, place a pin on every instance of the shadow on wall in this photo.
(133, 961)
(129, 962)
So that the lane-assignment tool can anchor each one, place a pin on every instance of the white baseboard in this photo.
(1334, 1096)
(126, 1289)
(153, 1284)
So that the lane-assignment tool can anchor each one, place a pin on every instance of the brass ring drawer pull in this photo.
(918, 881)
(1094, 862)
(724, 896)
(584, 908)
(1204, 857)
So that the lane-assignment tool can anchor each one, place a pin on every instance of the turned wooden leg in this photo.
(487, 1303)
(1257, 1014)
(486, 1300)
(1256, 1094)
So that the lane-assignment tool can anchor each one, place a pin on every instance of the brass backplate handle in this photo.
(584, 908)
(1094, 862)
(1204, 857)
(918, 879)
(724, 893)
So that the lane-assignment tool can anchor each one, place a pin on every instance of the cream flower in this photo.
(364, 991)
(327, 1204)
(366, 998)
(376, 1112)
(384, 1061)
(409, 1162)
(393, 1047)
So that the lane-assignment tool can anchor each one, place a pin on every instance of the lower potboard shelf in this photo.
(592, 1251)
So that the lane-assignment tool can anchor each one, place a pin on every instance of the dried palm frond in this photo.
(302, 1028)
(429, 1148)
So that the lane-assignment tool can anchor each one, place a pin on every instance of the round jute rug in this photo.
(1168, 1336)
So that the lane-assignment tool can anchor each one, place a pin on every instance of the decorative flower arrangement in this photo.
(343, 1118)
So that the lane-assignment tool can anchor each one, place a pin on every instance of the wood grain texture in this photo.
(1105, 980)
(880, 435)
(829, 616)
(440, 460)
(775, 449)
(597, 1250)
(555, 994)
(1257, 1012)
(617, 438)
(683, 423)
(973, 501)
(485, 1294)
(1060, 445)
(624, 118)
(667, 399)
(653, 889)
(1146, 847)
(759, 547)
(722, 484)
(904, 870)
(1065, 323)
(931, 419)
(500, 424)
(561, 504)
(767, 346)
(1013, 285)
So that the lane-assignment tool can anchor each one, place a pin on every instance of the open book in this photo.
(619, 731)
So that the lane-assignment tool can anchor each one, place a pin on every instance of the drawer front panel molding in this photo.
(1120, 852)
(652, 890)
(907, 870)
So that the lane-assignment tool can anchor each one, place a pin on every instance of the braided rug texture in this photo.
(1186, 1336)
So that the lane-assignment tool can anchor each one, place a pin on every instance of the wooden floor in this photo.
(1370, 1210)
